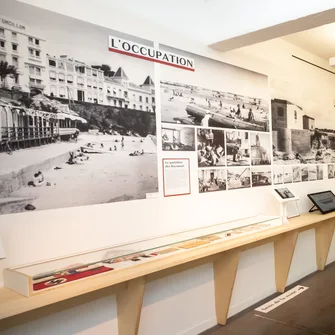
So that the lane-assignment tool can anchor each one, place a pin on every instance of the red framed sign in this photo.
(176, 176)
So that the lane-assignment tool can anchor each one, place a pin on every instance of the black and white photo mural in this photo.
(216, 94)
(301, 141)
(78, 118)
(77, 121)
(299, 138)
(231, 117)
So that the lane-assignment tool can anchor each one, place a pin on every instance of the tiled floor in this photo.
(312, 312)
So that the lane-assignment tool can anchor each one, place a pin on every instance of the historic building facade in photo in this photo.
(65, 77)
(24, 50)
(74, 80)
(123, 93)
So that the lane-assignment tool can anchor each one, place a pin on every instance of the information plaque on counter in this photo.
(323, 201)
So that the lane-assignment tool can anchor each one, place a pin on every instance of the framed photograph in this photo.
(211, 147)
(211, 180)
(178, 138)
(238, 148)
(238, 178)
(284, 193)
(261, 176)
(324, 201)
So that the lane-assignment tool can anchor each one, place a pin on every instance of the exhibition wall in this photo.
(45, 234)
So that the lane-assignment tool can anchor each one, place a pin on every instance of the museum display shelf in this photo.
(50, 274)
(128, 282)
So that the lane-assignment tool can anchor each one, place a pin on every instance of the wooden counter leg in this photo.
(323, 239)
(129, 306)
(225, 269)
(284, 249)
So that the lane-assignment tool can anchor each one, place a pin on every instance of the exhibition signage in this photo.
(145, 52)
(274, 303)
(176, 177)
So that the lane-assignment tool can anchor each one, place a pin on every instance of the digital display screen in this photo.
(325, 201)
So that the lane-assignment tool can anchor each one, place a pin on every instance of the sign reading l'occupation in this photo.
(141, 51)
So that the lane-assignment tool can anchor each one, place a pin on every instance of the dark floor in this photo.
(311, 312)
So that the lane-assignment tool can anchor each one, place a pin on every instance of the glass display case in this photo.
(38, 277)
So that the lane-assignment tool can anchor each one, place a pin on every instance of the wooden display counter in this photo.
(129, 283)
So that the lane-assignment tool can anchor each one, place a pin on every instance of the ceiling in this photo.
(214, 21)
(319, 41)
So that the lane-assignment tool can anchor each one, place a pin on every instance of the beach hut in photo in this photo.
(40, 123)
(149, 145)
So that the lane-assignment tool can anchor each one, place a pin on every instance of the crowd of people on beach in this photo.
(233, 113)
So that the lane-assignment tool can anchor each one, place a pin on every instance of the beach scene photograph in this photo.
(300, 137)
(77, 124)
(227, 102)
(191, 105)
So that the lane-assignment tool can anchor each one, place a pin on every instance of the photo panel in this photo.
(296, 170)
(231, 103)
(312, 173)
(288, 174)
(278, 174)
(261, 176)
(260, 145)
(89, 112)
(176, 138)
(331, 171)
(238, 177)
(211, 147)
(304, 173)
(319, 172)
(299, 136)
(238, 148)
(212, 180)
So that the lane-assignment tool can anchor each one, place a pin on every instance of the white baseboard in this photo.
(195, 330)
(248, 302)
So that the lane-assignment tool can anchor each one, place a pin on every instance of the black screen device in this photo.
(323, 201)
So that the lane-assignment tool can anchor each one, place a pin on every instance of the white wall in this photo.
(183, 303)
(224, 19)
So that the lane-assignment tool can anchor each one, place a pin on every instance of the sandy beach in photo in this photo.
(103, 178)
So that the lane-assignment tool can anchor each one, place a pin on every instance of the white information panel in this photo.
(176, 176)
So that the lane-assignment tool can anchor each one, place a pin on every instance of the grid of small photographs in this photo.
(285, 174)
(232, 159)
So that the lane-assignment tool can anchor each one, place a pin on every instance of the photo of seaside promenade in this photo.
(77, 124)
